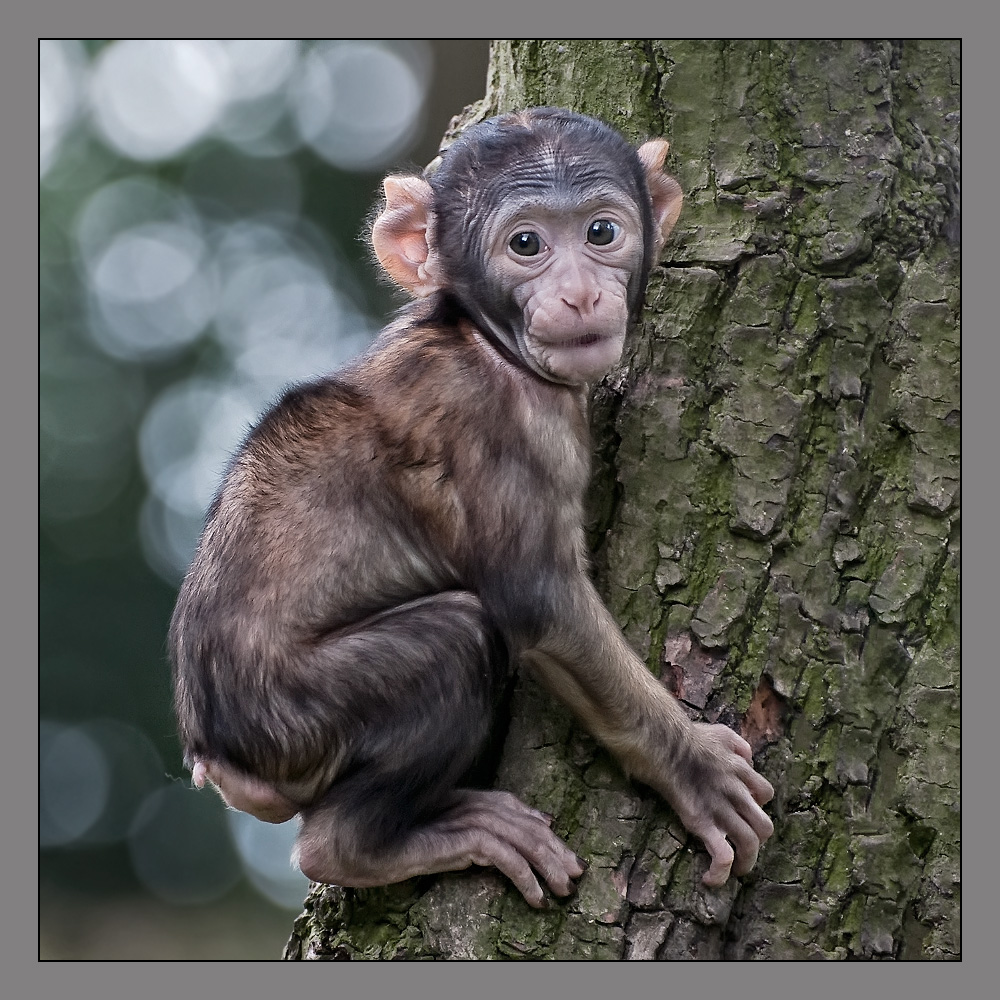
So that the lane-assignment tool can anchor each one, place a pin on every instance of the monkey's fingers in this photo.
(745, 841)
(756, 818)
(519, 856)
(760, 787)
(734, 741)
(722, 855)
(734, 840)
(754, 783)
(554, 861)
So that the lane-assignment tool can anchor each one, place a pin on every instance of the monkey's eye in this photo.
(526, 244)
(602, 232)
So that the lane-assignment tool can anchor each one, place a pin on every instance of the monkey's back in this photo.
(352, 495)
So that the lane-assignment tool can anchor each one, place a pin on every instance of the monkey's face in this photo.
(567, 269)
(544, 225)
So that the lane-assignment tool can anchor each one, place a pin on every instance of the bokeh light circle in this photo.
(152, 98)
(61, 72)
(359, 104)
(180, 846)
(265, 850)
(74, 780)
(151, 287)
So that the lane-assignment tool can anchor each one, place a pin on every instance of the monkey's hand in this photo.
(718, 796)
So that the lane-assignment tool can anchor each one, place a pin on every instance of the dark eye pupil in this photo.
(601, 232)
(526, 244)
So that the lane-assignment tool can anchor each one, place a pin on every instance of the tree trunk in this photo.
(775, 520)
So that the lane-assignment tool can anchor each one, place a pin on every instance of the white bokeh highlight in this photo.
(61, 75)
(265, 850)
(220, 275)
(152, 98)
(359, 104)
(150, 284)
(74, 779)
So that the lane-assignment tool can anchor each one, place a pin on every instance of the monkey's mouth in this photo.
(576, 358)
(583, 341)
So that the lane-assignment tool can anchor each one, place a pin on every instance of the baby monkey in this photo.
(392, 537)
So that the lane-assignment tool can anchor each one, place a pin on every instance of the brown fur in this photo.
(391, 537)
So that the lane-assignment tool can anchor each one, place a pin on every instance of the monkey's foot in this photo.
(489, 828)
(496, 829)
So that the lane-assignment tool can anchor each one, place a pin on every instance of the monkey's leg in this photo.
(425, 678)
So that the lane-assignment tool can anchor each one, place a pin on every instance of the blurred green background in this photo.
(201, 210)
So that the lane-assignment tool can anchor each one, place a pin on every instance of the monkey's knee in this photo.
(244, 792)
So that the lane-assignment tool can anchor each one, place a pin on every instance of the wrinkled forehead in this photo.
(497, 179)
(555, 174)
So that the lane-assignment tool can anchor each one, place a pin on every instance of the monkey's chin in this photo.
(580, 359)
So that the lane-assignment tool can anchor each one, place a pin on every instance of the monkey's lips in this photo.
(585, 341)
(557, 342)
(579, 358)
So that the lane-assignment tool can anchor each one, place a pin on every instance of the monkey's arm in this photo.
(703, 771)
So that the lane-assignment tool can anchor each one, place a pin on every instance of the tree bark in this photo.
(775, 520)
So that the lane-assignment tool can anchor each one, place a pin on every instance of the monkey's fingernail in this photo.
(548, 817)
(582, 863)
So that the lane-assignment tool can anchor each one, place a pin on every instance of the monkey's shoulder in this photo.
(411, 364)
(428, 395)
(422, 355)
(300, 429)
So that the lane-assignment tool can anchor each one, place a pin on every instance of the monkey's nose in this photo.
(583, 302)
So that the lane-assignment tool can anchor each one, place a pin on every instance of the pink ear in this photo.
(664, 190)
(399, 235)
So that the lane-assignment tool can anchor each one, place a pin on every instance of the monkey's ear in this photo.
(665, 191)
(399, 234)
